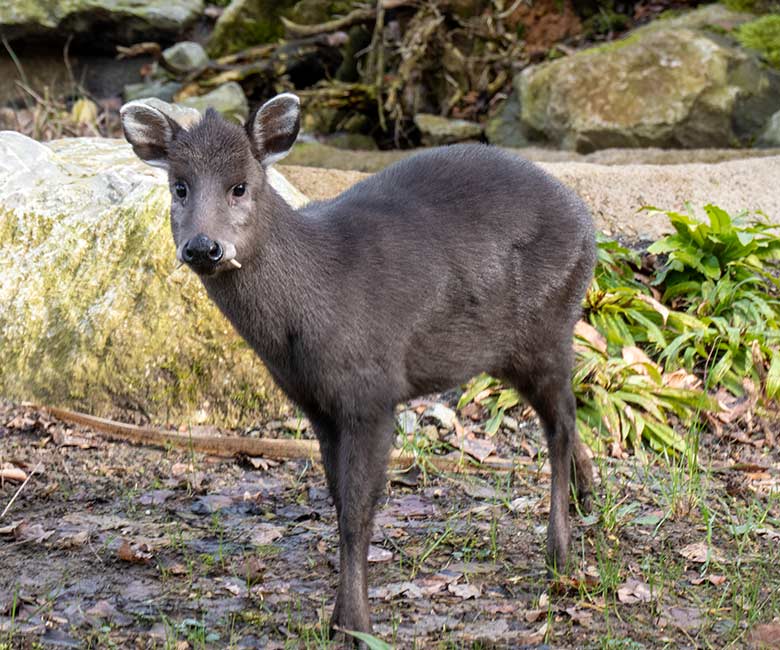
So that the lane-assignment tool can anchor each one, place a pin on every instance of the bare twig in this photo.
(377, 60)
(18, 66)
(354, 17)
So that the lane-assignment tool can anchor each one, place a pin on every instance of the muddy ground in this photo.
(111, 545)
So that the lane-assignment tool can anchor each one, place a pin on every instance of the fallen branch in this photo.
(275, 448)
(354, 17)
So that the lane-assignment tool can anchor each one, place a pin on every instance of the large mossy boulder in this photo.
(676, 83)
(95, 313)
(245, 23)
(109, 20)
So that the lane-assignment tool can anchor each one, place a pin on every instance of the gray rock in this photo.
(95, 313)
(228, 99)
(506, 128)
(770, 137)
(442, 130)
(407, 421)
(161, 89)
(120, 20)
(185, 57)
(444, 415)
(672, 84)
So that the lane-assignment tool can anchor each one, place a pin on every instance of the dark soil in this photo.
(111, 545)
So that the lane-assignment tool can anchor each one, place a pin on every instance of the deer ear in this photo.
(274, 127)
(150, 132)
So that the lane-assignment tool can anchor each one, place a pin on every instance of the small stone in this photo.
(161, 89)
(442, 130)
(443, 415)
(228, 99)
(185, 57)
(510, 423)
(431, 432)
(407, 421)
(297, 424)
(770, 136)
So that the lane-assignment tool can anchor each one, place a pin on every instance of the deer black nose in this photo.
(202, 253)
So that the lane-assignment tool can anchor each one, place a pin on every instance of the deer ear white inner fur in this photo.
(276, 126)
(149, 131)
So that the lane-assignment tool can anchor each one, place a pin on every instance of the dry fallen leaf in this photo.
(394, 589)
(681, 379)
(591, 335)
(582, 617)
(264, 533)
(765, 637)
(634, 591)
(11, 473)
(379, 554)
(532, 637)
(533, 615)
(655, 305)
(638, 360)
(688, 619)
(134, 552)
(25, 532)
(433, 584)
(73, 539)
(465, 590)
(10, 528)
(712, 579)
(479, 448)
(700, 552)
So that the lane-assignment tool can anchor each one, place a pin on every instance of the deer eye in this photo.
(180, 189)
(239, 190)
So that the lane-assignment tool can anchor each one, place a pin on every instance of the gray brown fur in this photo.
(454, 261)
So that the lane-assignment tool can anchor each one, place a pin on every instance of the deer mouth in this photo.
(221, 256)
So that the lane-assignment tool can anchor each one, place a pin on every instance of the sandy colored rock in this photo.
(616, 193)
(315, 154)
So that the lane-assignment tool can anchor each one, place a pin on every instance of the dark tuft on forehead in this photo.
(212, 145)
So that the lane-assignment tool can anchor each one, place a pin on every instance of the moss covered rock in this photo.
(673, 84)
(123, 20)
(228, 99)
(763, 36)
(438, 130)
(245, 23)
(95, 313)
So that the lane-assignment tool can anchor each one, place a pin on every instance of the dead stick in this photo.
(354, 17)
(231, 446)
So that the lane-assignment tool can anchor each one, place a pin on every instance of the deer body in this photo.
(455, 261)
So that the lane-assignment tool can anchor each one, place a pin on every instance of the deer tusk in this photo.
(235, 263)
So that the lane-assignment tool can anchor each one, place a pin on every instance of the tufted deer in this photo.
(454, 261)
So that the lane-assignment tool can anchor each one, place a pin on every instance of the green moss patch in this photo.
(763, 35)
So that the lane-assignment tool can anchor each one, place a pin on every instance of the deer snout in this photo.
(202, 254)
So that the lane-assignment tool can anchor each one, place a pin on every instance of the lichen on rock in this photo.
(697, 90)
(95, 313)
(124, 20)
(245, 23)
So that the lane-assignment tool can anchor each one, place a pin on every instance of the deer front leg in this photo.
(363, 447)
